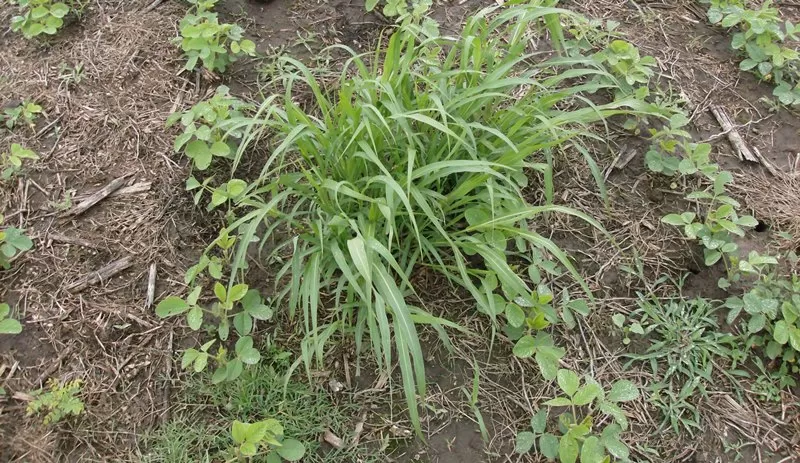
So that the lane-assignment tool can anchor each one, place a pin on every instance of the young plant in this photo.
(11, 162)
(686, 351)
(629, 69)
(26, 112)
(71, 75)
(528, 316)
(39, 17)
(415, 161)
(7, 324)
(590, 35)
(769, 313)
(763, 40)
(576, 437)
(721, 222)
(13, 242)
(58, 402)
(208, 129)
(204, 39)
(264, 438)
(236, 305)
(671, 151)
(402, 9)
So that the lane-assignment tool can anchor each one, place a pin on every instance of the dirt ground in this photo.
(111, 125)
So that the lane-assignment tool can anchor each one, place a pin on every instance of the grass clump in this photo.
(687, 353)
(200, 428)
(417, 156)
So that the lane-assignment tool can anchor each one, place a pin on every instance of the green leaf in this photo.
(250, 356)
(747, 221)
(611, 441)
(712, 257)
(16, 238)
(200, 362)
(673, 219)
(748, 64)
(39, 12)
(514, 315)
(568, 381)
(220, 374)
(248, 47)
(756, 323)
(236, 187)
(239, 431)
(568, 449)
(524, 442)
(59, 10)
(220, 292)
(291, 450)
(10, 326)
(592, 451)
(525, 347)
(195, 318)
(610, 408)
(618, 320)
(172, 305)
(781, 332)
(234, 369)
(189, 356)
(199, 152)
(548, 445)
(580, 306)
(257, 432)
(260, 312)
(539, 421)
(248, 449)
(794, 338)
(192, 184)
(547, 358)
(587, 394)
(243, 323)
(219, 148)
(623, 391)
(558, 402)
(237, 292)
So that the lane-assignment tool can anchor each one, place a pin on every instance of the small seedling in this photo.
(762, 38)
(625, 63)
(204, 39)
(238, 306)
(208, 130)
(40, 17)
(65, 203)
(769, 313)
(7, 324)
(12, 243)
(11, 162)
(576, 436)
(58, 402)
(528, 316)
(70, 75)
(402, 9)
(265, 438)
(26, 112)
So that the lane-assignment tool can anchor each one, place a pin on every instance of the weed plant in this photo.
(200, 429)
(416, 157)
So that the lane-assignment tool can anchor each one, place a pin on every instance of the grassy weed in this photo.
(199, 430)
(415, 157)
